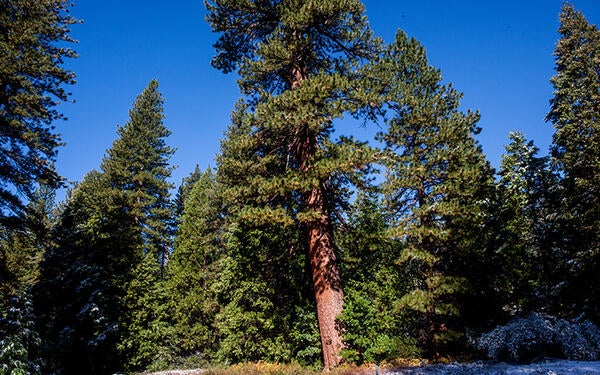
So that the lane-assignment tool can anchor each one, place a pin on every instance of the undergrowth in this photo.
(286, 369)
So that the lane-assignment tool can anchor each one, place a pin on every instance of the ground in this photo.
(549, 367)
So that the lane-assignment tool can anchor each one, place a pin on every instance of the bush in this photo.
(524, 339)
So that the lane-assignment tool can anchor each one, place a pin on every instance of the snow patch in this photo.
(524, 339)
(481, 368)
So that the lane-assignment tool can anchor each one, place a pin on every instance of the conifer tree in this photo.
(18, 338)
(575, 114)
(184, 190)
(263, 284)
(147, 342)
(437, 181)
(33, 46)
(91, 299)
(295, 60)
(83, 277)
(375, 328)
(137, 164)
(530, 265)
(21, 250)
(193, 270)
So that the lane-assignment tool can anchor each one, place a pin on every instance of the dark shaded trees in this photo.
(34, 38)
(575, 114)
(528, 240)
(21, 250)
(83, 279)
(96, 277)
(19, 340)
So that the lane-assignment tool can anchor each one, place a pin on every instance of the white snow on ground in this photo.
(481, 368)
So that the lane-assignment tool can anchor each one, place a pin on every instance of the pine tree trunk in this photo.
(326, 279)
(321, 255)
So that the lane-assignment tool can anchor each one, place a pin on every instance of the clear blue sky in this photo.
(499, 53)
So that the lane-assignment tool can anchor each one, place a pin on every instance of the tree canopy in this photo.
(34, 39)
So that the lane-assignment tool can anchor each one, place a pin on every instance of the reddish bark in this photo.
(326, 279)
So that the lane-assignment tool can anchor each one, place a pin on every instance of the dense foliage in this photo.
(33, 37)
(34, 42)
(437, 186)
(110, 245)
(300, 246)
(574, 112)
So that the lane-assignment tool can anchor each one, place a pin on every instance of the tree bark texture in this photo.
(326, 279)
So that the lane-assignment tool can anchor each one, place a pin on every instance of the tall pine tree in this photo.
(530, 263)
(137, 166)
(263, 286)
(575, 114)
(295, 59)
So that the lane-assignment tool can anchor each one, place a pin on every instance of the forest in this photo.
(298, 247)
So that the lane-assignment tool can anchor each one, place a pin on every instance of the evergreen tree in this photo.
(531, 267)
(184, 190)
(21, 250)
(437, 183)
(376, 329)
(33, 37)
(147, 343)
(18, 339)
(91, 302)
(83, 278)
(263, 284)
(137, 164)
(193, 270)
(575, 114)
(295, 60)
